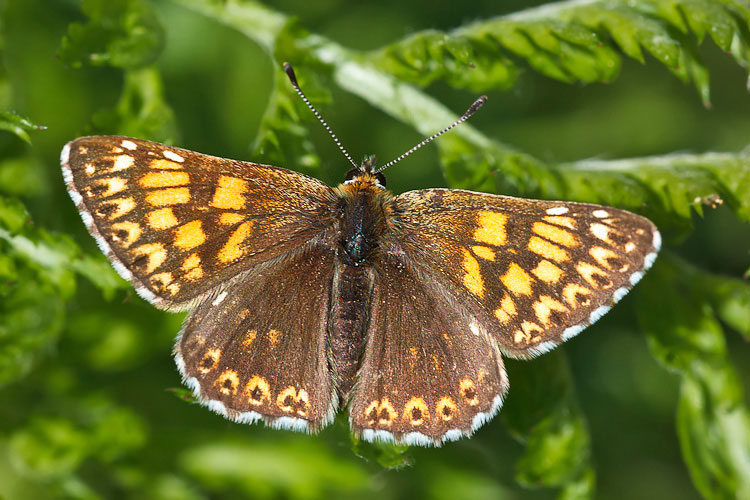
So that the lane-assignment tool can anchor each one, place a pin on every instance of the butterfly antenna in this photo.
(293, 78)
(472, 109)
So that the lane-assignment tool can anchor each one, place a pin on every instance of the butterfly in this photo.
(306, 299)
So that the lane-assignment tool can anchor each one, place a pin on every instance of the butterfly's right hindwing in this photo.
(429, 373)
(179, 224)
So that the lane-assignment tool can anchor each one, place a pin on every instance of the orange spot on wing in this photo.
(162, 218)
(164, 179)
(156, 255)
(472, 276)
(547, 249)
(484, 253)
(126, 233)
(164, 164)
(547, 272)
(189, 235)
(491, 228)
(233, 249)
(230, 218)
(229, 194)
(169, 196)
(559, 220)
(516, 280)
(571, 293)
(555, 234)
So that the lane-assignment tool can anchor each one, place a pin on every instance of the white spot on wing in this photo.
(452, 435)
(600, 231)
(543, 347)
(77, 199)
(170, 155)
(598, 313)
(474, 328)
(377, 436)
(417, 439)
(601, 214)
(557, 211)
(129, 145)
(290, 423)
(219, 299)
(572, 331)
(619, 294)
(122, 162)
(217, 407)
(248, 417)
(636, 277)
(65, 154)
(657, 240)
(481, 418)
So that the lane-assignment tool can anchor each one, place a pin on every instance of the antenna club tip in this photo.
(290, 72)
(478, 104)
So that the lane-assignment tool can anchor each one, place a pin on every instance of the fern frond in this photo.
(573, 41)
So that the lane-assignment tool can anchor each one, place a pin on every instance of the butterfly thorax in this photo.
(361, 217)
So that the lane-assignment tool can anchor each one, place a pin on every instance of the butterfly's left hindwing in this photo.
(534, 273)
(257, 351)
(178, 224)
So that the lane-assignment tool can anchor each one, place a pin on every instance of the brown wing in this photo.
(177, 223)
(257, 350)
(533, 273)
(428, 374)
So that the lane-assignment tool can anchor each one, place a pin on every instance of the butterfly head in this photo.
(366, 175)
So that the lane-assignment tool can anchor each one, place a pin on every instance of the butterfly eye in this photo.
(351, 174)
(380, 178)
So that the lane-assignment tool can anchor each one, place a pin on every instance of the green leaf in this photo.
(569, 41)
(18, 125)
(387, 455)
(283, 139)
(120, 33)
(141, 111)
(671, 186)
(293, 468)
(36, 280)
(56, 447)
(48, 447)
(22, 176)
(713, 422)
(541, 411)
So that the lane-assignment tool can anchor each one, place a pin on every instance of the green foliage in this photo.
(120, 33)
(141, 110)
(84, 374)
(37, 276)
(18, 125)
(685, 335)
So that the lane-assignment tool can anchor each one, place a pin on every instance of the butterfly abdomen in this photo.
(347, 322)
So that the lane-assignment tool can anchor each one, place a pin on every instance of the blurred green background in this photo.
(87, 406)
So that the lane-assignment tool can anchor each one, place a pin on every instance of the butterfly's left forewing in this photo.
(180, 224)
(534, 273)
